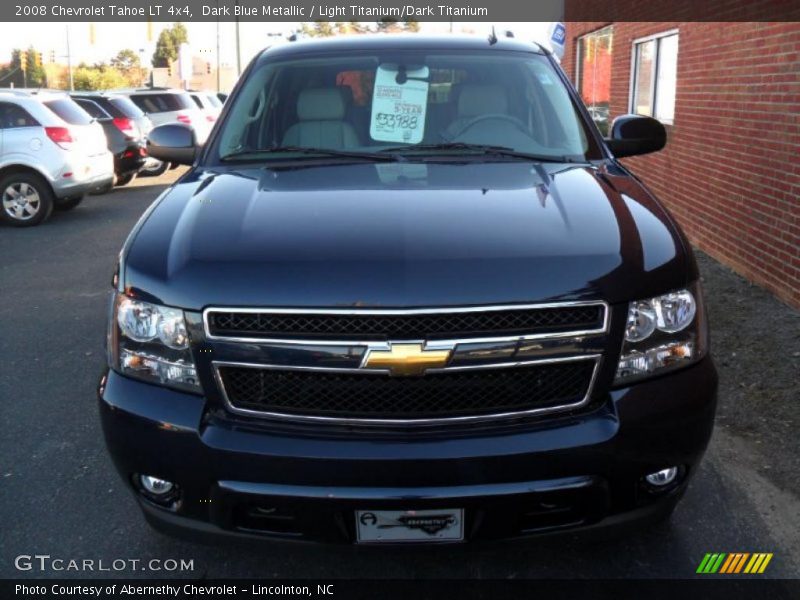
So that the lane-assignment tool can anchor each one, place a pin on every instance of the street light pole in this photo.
(69, 64)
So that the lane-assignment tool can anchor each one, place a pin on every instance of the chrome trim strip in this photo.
(432, 344)
(597, 358)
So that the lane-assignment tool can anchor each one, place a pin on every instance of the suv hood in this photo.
(402, 235)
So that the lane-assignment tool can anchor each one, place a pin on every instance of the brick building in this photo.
(729, 95)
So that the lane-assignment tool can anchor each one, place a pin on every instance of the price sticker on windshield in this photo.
(399, 104)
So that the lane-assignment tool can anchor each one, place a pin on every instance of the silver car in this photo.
(52, 153)
(208, 103)
(166, 105)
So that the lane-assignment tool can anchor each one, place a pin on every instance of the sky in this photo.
(110, 38)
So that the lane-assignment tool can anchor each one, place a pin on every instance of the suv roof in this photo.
(382, 41)
(30, 93)
(149, 90)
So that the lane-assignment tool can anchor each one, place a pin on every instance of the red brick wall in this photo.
(731, 170)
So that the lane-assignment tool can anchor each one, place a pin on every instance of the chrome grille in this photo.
(449, 394)
(400, 325)
(493, 369)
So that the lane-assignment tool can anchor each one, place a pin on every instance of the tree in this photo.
(168, 43)
(128, 64)
(34, 75)
(318, 29)
(411, 26)
(126, 61)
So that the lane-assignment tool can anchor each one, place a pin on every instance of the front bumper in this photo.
(256, 479)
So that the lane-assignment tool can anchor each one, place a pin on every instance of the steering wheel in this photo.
(493, 116)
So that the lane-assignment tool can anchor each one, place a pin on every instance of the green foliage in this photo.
(168, 43)
(99, 77)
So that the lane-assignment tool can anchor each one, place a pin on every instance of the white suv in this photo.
(52, 153)
(165, 105)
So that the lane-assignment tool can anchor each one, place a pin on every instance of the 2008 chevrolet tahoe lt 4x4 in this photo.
(406, 293)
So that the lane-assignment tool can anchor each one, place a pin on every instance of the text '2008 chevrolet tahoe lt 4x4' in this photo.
(406, 293)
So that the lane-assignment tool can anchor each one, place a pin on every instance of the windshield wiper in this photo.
(484, 149)
(256, 153)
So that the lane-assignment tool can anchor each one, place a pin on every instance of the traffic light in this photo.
(52, 56)
(169, 71)
(37, 59)
(208, 68)
(23, 60)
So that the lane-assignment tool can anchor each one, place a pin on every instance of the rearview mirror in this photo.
(175, 143)
(632, 135)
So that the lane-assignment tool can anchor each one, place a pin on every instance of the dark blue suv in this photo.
(406, 294)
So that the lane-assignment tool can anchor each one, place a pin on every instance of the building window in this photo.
(654, 76)
(594, 73)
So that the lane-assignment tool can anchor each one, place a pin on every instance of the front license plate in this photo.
(391, 526)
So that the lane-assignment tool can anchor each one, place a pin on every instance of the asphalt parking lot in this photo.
(59, 494)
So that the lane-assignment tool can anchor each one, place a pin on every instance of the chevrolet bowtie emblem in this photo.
(406, 359)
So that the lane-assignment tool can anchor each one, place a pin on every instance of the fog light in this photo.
(156, 486)
(662, 477)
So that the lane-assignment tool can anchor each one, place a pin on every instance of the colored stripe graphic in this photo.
(733, 563)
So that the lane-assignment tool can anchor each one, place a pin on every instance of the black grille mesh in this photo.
(434, 395)
(426, 326)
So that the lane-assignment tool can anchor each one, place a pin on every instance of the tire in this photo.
(124, 180)
(68, 203)
(154, 171)
(38, 203)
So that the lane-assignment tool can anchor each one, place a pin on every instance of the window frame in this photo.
(579, 54)
(632, 87)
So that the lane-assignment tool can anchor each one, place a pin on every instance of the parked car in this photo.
(52, 154)
(123, 136)
(165, 105)
(208, 103)
(370, 314)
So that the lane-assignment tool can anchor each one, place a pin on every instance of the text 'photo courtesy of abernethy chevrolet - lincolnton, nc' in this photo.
(406, 293)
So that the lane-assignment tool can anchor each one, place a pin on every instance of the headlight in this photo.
(150, 342)
(662, 333)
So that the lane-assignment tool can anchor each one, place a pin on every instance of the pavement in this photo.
(60, 496)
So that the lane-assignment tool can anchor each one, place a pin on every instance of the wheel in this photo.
(68, 203)
(154, 170)
(27, 199)
(124, 180)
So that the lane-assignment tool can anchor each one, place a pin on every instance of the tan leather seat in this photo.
(321, 122)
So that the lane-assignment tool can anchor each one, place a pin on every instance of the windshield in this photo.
(406, 103)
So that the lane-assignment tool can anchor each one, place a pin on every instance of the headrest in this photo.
(321, 104)
(477, 100)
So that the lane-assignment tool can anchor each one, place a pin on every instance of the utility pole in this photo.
(238, 47)
(217, 46)
(69, 64)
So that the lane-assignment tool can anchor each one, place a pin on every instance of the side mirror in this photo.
(175, 143)
(632, 135)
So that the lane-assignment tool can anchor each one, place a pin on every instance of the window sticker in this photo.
(399, 104)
